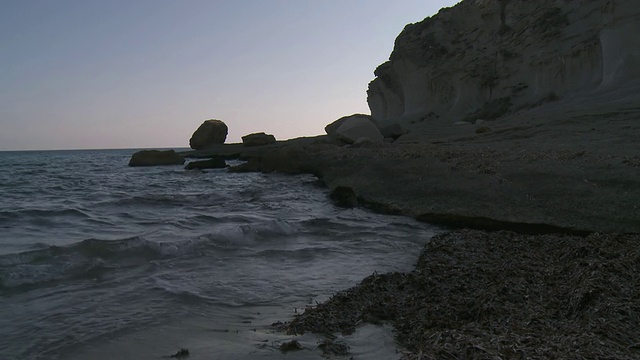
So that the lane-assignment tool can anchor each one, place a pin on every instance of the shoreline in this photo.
(533, 173)
(477, 295)
(537, 177)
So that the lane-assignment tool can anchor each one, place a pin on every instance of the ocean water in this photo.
(99, 260)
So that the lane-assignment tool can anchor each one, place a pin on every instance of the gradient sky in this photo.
(129, 74)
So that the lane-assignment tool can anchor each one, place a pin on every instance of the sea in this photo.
(99, 260)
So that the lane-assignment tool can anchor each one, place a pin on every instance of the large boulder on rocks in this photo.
(258, 139)
(155, 158)
(331, 128)
(348, 129)
(211, 132)
(213, 163)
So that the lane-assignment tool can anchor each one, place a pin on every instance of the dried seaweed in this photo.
(501, 295)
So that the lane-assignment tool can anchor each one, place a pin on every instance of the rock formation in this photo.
(482, 59)
(155, 158)
(349, 129)
(213, 163)
(258, 139)
(211, 132)
(331, 128)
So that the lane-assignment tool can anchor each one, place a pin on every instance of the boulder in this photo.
(211, 132)
(348, 129)
(331, 128)
(155, 158)
(258, 139)
(213, 163)
(393, 131)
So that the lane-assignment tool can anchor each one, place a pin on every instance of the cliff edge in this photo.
(482, 59)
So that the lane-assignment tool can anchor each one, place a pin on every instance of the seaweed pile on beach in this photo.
(501, 295)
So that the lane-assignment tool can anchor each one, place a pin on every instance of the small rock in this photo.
(182, 353)
(461, 123)
(482, 130)
(292, 345)
(336, 348)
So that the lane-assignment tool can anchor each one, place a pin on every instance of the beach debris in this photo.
(292, 345)
(333, 348)
(500, 295)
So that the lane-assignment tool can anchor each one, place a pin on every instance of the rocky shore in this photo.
(569, 168)
(559, 284)
(500, 295)
(519, 120)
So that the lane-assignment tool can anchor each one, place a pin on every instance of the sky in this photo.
(91, 74)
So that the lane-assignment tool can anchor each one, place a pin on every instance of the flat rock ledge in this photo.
(500, 295)
(531, 190)
(560, 168)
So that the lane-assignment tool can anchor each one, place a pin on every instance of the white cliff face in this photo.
(620, 42)
(486, 58)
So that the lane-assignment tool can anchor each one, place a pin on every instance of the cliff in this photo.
(482, 59)
(560, 78)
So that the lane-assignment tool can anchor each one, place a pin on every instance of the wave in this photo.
(94, 258)
(20, 214)
(183, 292)
(303, 254)
(240, 235)
(91, 258)
(169, 200)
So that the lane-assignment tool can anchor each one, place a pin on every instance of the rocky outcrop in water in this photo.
(155, 158)
(213, 163)
(211, 132)
(482, 59)
(258, 139)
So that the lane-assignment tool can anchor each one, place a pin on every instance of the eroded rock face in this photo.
(348, 129)
(482, 59)
(211, 132)
(258, 139)
(155, 158)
